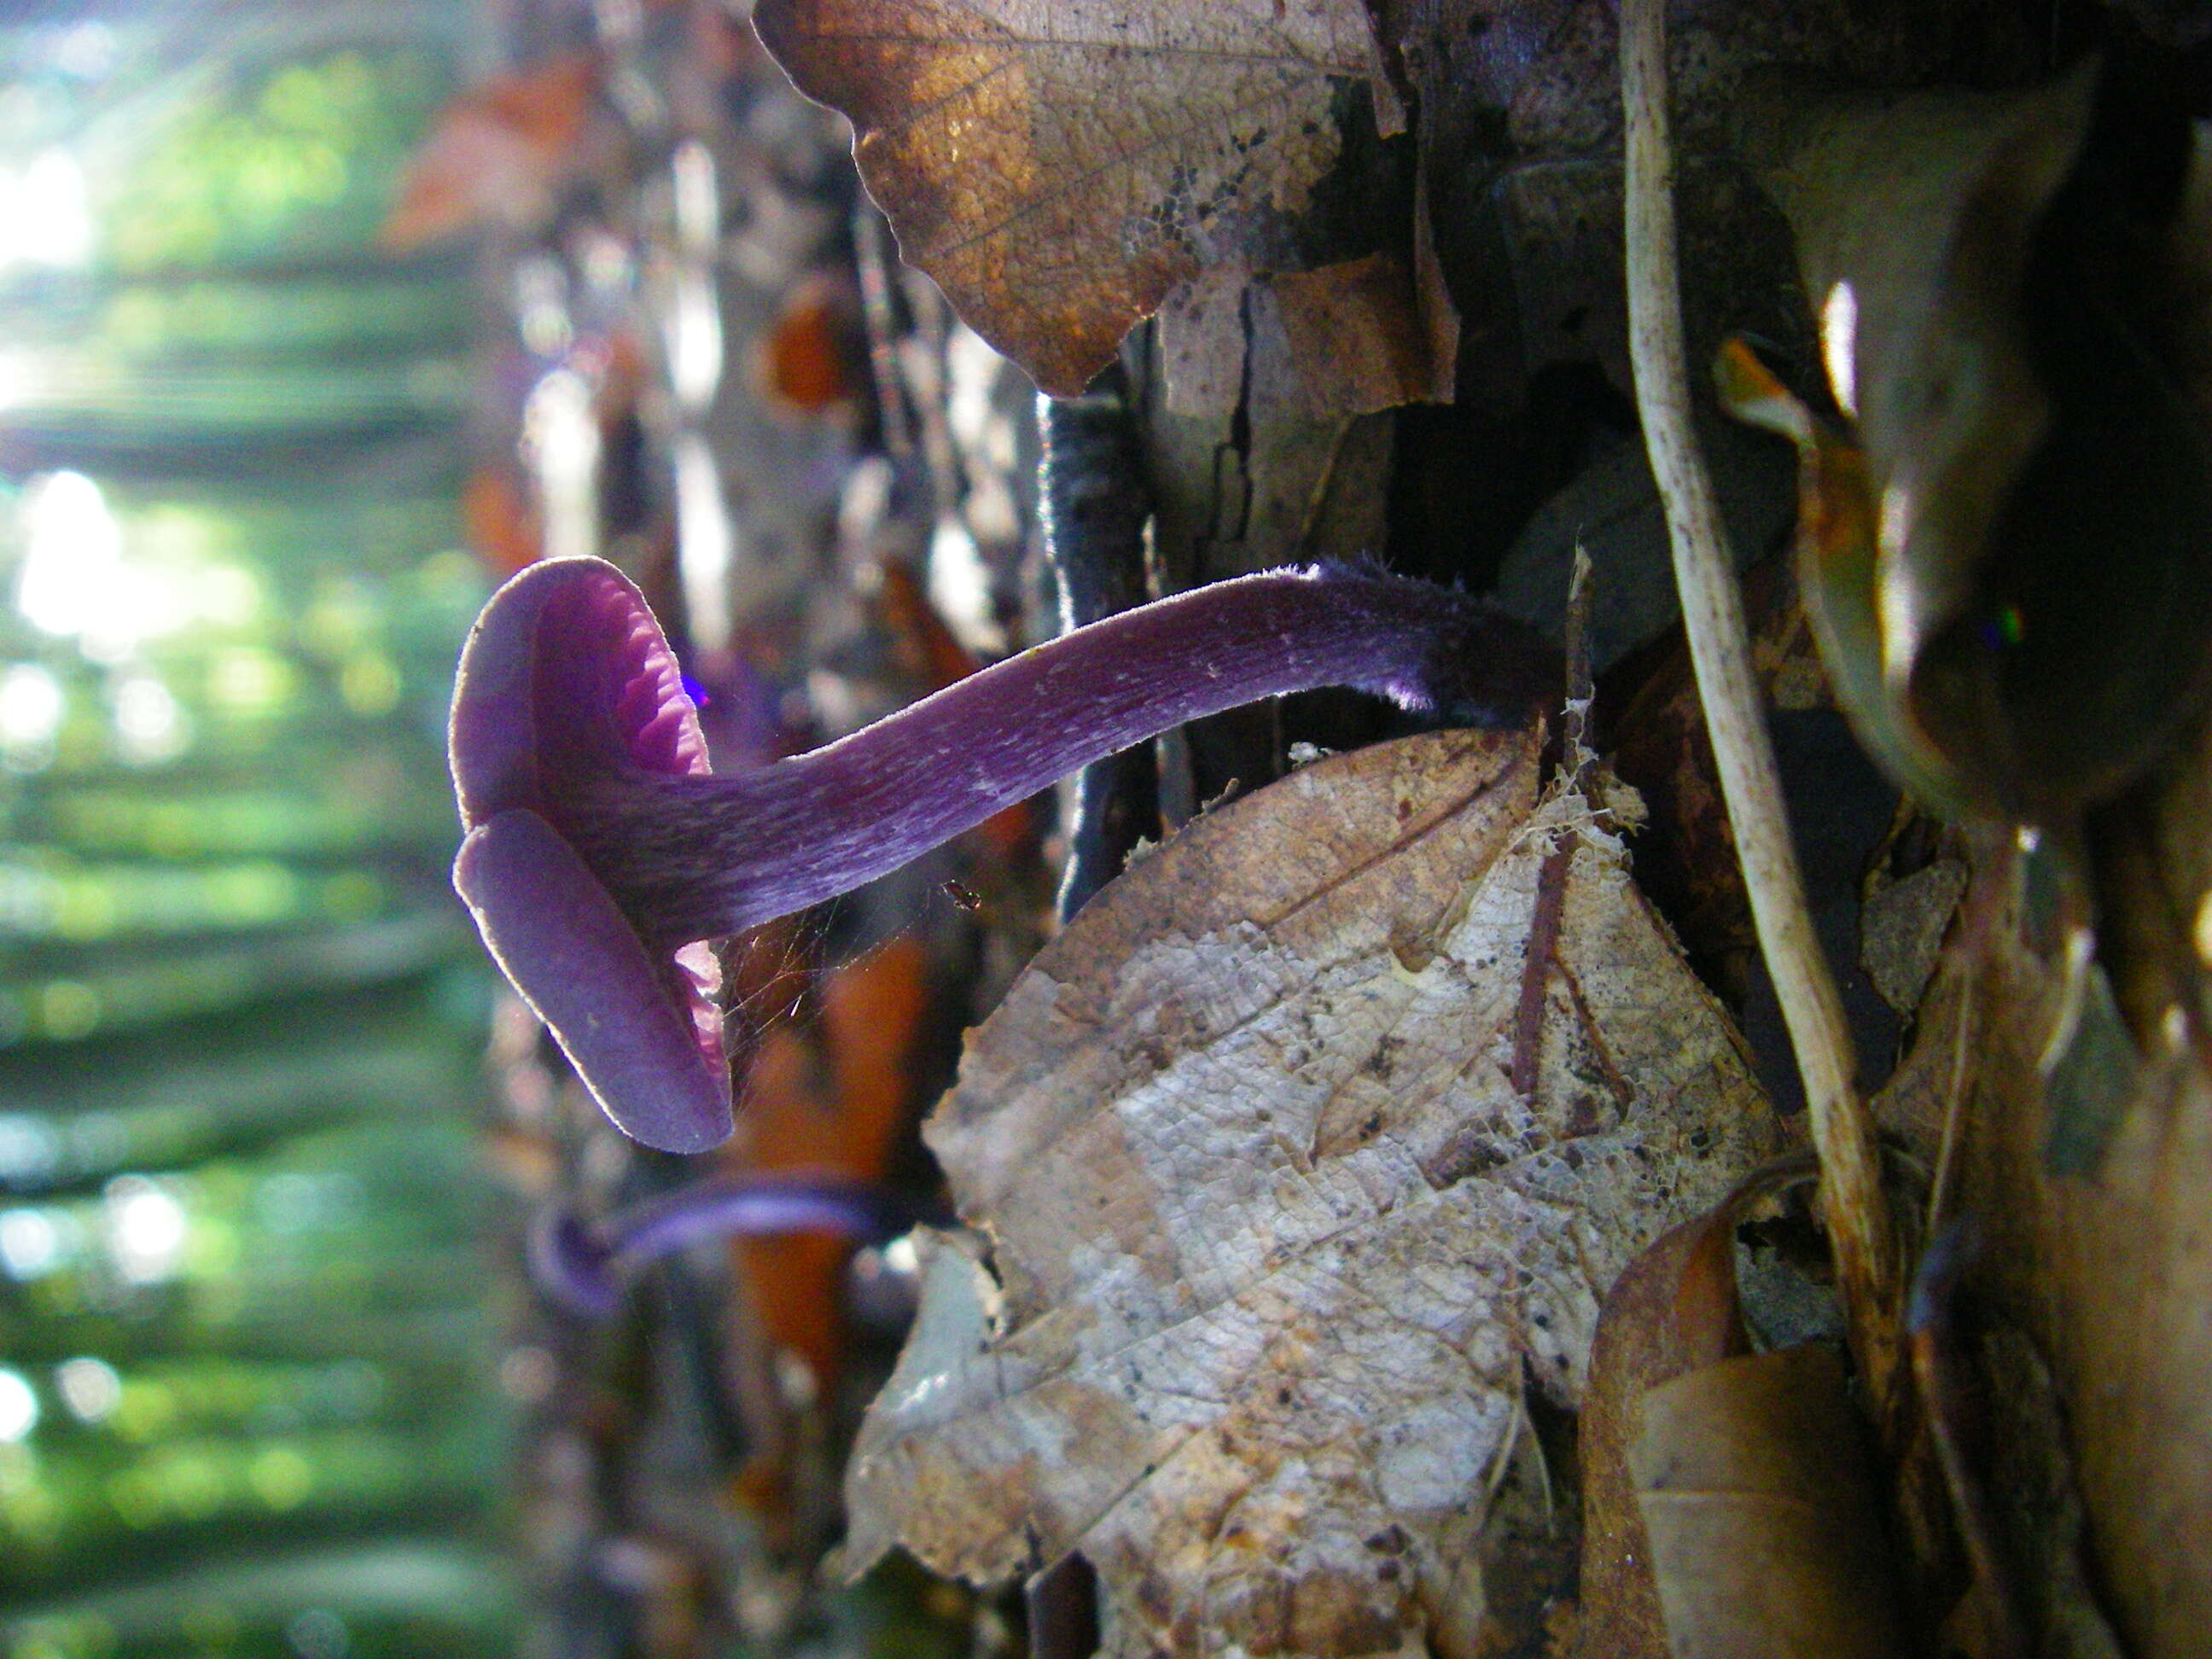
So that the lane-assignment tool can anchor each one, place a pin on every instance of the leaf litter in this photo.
(1270, 1248)
(1057, 168)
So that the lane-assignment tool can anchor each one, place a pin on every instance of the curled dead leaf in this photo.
(1274, 1241)
(1766, 1540)
(1674, 1309)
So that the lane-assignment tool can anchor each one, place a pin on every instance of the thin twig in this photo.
(1575, 763)
(1712, 612)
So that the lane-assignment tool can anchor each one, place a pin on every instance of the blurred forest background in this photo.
(249, 1352)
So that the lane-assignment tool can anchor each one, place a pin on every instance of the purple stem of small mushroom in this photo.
(584, 1266)
(689, 858)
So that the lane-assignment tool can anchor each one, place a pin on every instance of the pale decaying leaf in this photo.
(1276, 1244)
(1902, 926)
(1058, 165)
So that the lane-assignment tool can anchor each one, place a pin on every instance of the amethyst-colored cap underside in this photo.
(568, 687)
(566, 681)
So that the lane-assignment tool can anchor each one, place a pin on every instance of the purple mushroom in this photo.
(600, 850)
(585, 1267)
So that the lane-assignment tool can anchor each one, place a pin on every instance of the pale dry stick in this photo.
(1856, 1211)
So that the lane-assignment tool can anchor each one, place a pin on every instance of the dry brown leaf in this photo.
(1057, 167)
(1344, 339)
(1674, 1309)
(1767, 1542)
(2107, 1263)
(1278, 1243)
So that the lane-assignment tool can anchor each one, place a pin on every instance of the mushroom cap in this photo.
(567, 684)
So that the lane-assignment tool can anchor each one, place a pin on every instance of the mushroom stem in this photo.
(697, 857)
(584, 1266)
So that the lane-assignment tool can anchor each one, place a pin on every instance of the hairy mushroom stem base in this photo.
(697, 857)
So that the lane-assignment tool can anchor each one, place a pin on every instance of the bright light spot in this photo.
(369, 684)
(900, 1256)
(18, 1407)
(31, 704)
(89, 1387)
(692, 332)
(1839, 329)
(225, 595)
(973, 367)
(1896, 603)
(30, 1243)
(45, 216)
(146, 1229)
(76, 581)
(703, 542)
(698, 200)
(22, 378)
(86, 52)
(74, 555)
(562, 438)
(28, 1147)
(280, 1477)
(2027, 838)
(150, 726)
(960, 588)
(247, 680)
(2204, 929)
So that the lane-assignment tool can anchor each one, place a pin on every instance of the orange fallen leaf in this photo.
(810, 357)
(830, 1097)
(496, 153)
(501, 518)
